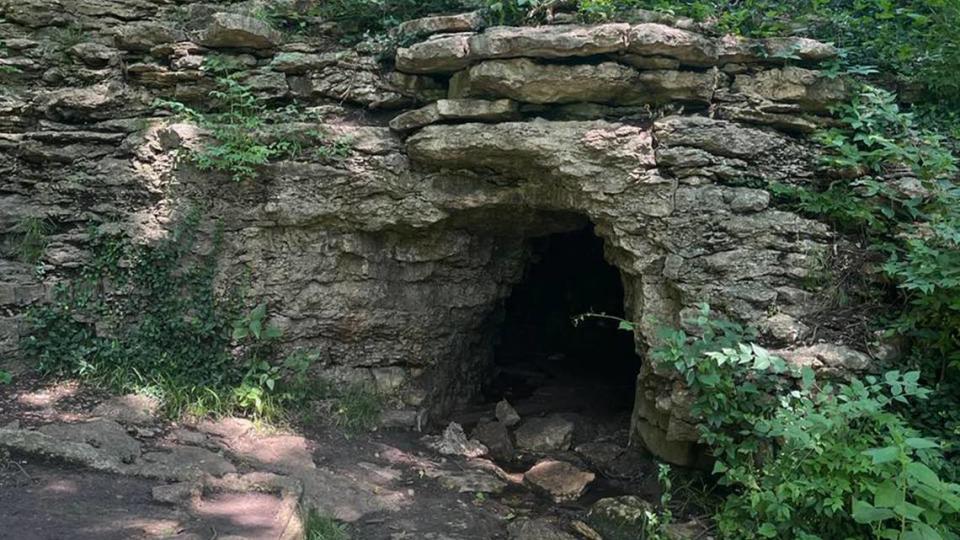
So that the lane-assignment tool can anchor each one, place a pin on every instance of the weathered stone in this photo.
(300, 63)
(536, 529)
(143, 36)
(477, 110)
(107, 436)
(559, 480)
(129, 409)
(41, 444)
(441, 24)
(525, 80)
(471, 480)
(784, 328)
(828, 357)
(181, 463)
(357, 81)
(454, 442)
(506, 414)
(177, 493)
(439, 54)
(620, 518)
(809, 89)
(599, 454)
(94, 55)
(545, 434)
(776, 49)
(648, 62)
(528, 149)
(495, 437)
(228, 30)
(651, 39)
(559, 41)
(420, 87)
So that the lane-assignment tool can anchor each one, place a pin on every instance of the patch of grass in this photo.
(319, 526)
(32, 241)
(358, 408)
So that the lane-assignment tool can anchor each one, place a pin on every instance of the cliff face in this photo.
(393, 262)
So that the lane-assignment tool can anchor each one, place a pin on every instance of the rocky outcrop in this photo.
(392, 261)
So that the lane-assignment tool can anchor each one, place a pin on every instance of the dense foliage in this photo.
(149, 318)
(245, 132)
(807, 460)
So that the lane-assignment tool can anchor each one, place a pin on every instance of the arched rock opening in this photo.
(543, 361)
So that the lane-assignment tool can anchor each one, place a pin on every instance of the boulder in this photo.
(810, 90)
(108, 437)
(550, 41)
(470, 481)
(734, 49)
(494, 435)
(620, 518)
(559, 480)
(145, 35)
(229, 30)
(506, 414)
(440, 54)
(689, 48)
(536, 529)
(826, 357)
(527, 81)
(454, 442)
(129, 409)
(181, 463)
(453, 52)
(546, 434)
(94, 55)
(524, 80)
(441, 24)
(477, 110)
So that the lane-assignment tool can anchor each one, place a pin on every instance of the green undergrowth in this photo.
(245, 132)
(904, 204)
(805, 458)
(150, 319)
(319, 526)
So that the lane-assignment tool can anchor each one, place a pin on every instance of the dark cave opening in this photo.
(542, 360)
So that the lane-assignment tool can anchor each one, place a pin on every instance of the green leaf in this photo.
(240, 332)
(256, 325)
(864, 512)
(923, 474)
(918, 443)
(626, 325)
(883, 455)
(767, 530)
(888, 495)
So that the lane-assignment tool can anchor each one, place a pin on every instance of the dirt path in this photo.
(78, 464)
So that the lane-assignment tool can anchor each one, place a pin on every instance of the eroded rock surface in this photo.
(391, 261)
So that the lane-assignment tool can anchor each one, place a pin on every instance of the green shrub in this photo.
(244, 130)
(807, 460)
(149, 319)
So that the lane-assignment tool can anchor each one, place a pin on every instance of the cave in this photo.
(548, 357)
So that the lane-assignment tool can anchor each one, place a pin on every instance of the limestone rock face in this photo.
(389, 251)
(229, 30)
(809, 89)
(456, 109)
(442, 24)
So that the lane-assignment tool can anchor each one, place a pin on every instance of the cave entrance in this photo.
(543, 362)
